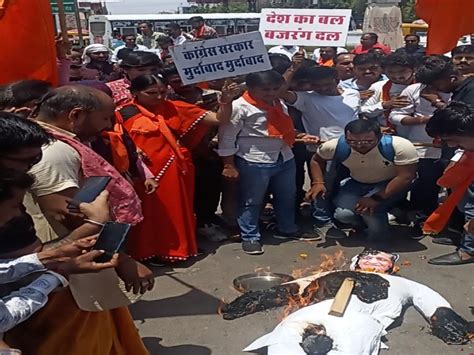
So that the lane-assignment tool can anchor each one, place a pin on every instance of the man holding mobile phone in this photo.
(52, 265)
(20, 149)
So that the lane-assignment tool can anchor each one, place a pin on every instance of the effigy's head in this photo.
(375, 261)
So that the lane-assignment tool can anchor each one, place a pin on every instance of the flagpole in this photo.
(62, 20)
(78, 23)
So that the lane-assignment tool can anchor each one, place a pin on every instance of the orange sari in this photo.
(62, 328)
(168, 228)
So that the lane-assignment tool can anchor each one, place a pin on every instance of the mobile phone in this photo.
(110, 240)
(209, 97)
(91, 188)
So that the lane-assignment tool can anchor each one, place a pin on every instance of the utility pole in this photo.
(225, 4)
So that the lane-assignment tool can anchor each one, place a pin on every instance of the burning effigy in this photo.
(346, 312)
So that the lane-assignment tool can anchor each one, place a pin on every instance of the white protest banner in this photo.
(305, 27)
(220, 57)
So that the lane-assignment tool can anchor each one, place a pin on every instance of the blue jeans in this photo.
(346, 199)
(467, 207)
(254, 180)
(323, 209)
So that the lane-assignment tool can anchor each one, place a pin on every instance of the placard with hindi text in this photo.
(219, 58)
(305, 27)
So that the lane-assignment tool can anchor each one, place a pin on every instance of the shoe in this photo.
(252, 247)
(416, 233)
(212, 232)
(322, 229)
(451, 259)
(446, 241)
(297, 236)
(336, 233)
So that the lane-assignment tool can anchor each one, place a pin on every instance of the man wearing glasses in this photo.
(412, 47)
(374, 171)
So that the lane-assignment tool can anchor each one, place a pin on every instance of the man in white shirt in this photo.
(179, 36)
(367, 70)
(289, 51)
(130, 43)
(256, 149)
(326, 109)
(400, 70)
(344, 64)
(410, 122)
(325, 112)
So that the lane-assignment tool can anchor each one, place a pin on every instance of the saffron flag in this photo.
(28, 44)
(448, 20)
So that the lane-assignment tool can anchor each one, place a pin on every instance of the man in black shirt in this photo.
(412, 47)
(442, 75)
(453, 124)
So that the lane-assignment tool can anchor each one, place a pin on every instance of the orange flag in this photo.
(27, 41)
(448, 20)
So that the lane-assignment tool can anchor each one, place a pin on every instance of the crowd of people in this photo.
(374, 131)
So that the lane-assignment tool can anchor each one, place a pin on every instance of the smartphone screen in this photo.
(110, 239)
(91, 188)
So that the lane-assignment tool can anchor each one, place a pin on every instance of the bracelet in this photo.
(317, 183)
(93, 222)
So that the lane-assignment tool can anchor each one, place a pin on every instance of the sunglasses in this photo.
(356, 143)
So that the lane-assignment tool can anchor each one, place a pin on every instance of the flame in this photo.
(306, 297)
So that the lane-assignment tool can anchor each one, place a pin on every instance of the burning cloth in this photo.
(376, 300)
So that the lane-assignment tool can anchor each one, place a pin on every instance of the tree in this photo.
(357, 7)
(408, 10)
(232, 7)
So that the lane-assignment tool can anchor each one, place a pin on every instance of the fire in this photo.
(306, 296)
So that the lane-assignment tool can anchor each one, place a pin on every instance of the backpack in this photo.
(385, 146)
(339, 172)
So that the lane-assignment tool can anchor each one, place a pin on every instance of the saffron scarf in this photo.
(279, 124)
(327, 63)
(458, 178)
(386, 97)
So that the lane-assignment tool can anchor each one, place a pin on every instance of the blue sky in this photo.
(144, 6)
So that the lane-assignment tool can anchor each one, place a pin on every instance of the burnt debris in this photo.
(257, 301)
(368, 288)
(449, 326)
(315, 341)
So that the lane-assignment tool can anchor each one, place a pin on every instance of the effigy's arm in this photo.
(257, 301)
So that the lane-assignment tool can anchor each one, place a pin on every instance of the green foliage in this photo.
(357, 6)
(408, 10)
(206, 9)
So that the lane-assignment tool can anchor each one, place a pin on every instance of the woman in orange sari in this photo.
(165, 131)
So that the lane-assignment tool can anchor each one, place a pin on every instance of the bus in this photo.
(104, 28)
